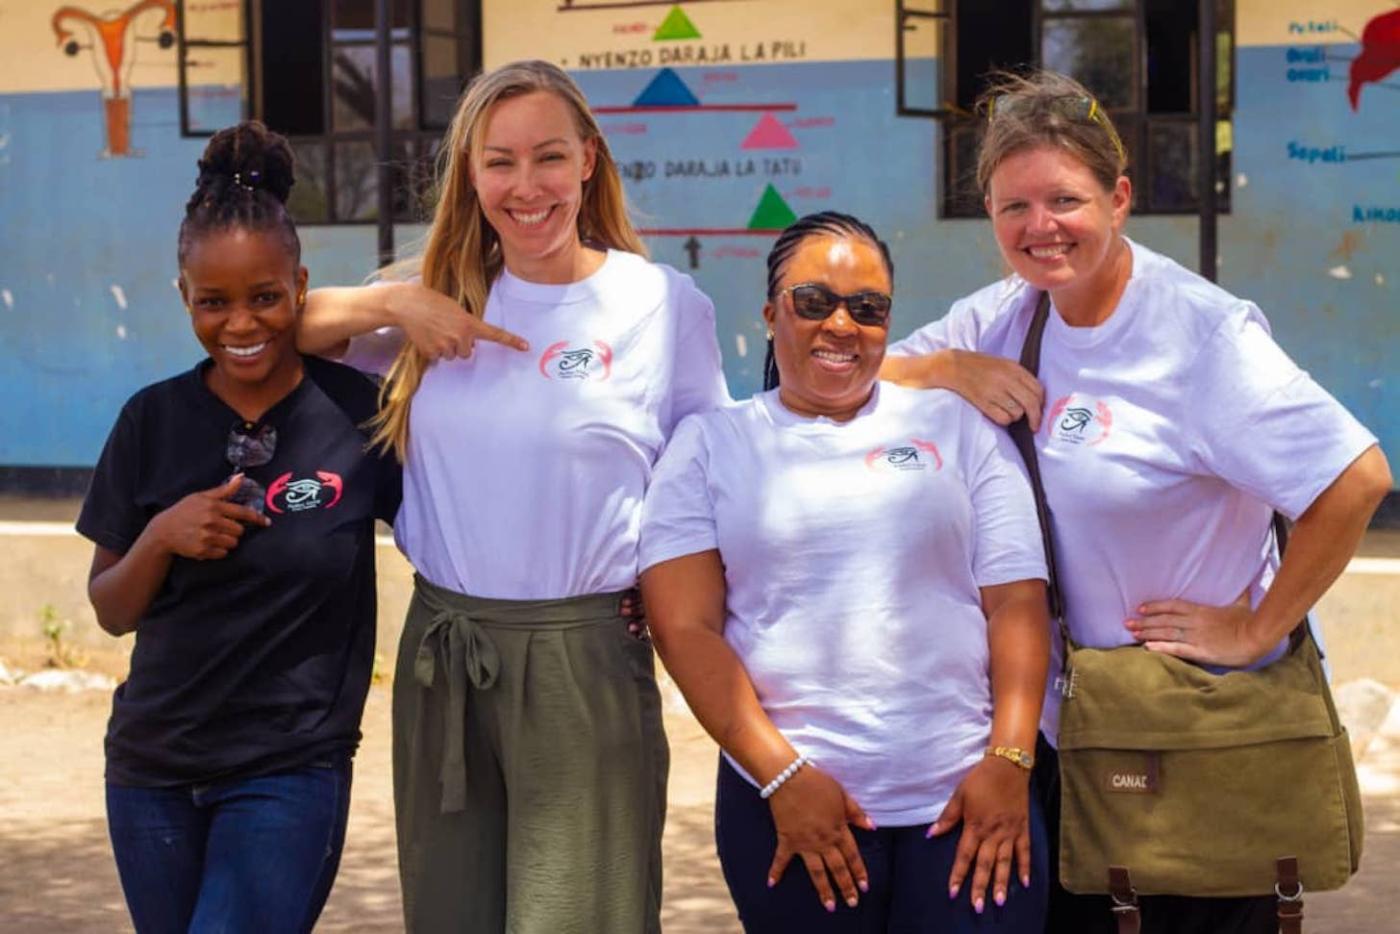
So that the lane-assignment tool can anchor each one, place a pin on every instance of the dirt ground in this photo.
(56, 871)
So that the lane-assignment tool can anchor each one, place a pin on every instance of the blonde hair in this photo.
(1046, 108)
(462, 253)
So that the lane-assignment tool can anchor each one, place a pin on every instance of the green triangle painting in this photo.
(676, 26)
(772, 212)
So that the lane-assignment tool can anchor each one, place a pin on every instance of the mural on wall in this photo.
(111, 39)
(1380, 55)
(1367, 132)
(714, 153)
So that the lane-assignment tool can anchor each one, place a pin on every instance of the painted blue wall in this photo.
(76, 226)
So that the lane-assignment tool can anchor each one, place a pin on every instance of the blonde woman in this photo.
(529, 758)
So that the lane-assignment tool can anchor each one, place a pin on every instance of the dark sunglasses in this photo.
(817, 303)
(250, 446)
(1076, 107)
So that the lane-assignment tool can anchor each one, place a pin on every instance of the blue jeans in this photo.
(254, 854)
(908, 877)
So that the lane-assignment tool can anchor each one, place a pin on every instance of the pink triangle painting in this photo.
(768, 133)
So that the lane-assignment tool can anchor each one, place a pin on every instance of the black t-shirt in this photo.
(259, 661)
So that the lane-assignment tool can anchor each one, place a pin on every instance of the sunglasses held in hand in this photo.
(816, 302)
(250, 446)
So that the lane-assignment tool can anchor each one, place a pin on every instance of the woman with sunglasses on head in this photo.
(1175, 427)
(845, 580)
(233, 513)
(529, 758)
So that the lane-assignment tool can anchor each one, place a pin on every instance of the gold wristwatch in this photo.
(1014, 754)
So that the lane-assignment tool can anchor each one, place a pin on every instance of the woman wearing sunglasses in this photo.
(845, 580)
(1175, 427)
(233, 513)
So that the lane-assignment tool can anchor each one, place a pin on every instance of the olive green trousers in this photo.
(529, 767)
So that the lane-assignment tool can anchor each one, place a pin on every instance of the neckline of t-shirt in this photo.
(274, 412)
(585, 289)
(1071, 336)
(783, 416)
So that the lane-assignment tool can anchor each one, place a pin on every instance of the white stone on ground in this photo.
(70, 681)
(1363, 706)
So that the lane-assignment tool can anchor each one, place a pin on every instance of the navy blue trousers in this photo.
(256, 854)
(908, 878)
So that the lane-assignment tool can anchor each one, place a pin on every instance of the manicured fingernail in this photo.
(871, 824)
(830, 905)
(772, 882)
(978, 905)
(1025, 882)
(1001, 899)
(932, 829)
(852, 902)
(864, 885)
(952, 891)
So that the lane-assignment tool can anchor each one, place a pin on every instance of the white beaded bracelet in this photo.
(784, 775)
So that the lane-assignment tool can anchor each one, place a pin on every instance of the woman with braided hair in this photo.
(845, 580)
(233, 514)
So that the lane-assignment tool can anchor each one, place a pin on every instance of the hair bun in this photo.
(249, 156)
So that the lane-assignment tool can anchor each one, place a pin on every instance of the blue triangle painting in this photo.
(666, 90)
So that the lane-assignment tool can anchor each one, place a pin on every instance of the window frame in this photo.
(1136, 124)
(419, 141)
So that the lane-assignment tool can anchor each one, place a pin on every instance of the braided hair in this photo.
(245, 176)
(821, 224)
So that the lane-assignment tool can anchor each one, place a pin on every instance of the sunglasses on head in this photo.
(817, 303)
(1079, 108)
(250, 446)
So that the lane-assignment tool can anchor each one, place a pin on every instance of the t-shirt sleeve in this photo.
(1008, 546)
(110, 516)
(697, 381)
(957, 329)
(678, 516)
(374, 352)
(1261, 423)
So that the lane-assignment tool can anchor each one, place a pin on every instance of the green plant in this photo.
(60, 654)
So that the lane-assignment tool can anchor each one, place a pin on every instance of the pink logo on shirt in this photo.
(1075, 419)
(560, 361)
(916, 455)
(321, 492)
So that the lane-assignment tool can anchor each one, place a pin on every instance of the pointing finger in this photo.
(489, 332)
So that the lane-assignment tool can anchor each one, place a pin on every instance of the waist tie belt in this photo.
(457, 644)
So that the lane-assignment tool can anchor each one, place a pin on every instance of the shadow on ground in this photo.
(57, 875)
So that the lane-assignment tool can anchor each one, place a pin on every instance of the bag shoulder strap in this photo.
(1024, 440)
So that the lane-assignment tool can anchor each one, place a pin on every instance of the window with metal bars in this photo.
(1137, 56)
(308, 69)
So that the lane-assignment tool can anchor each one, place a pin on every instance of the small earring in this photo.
(301, 299)
(770, 334)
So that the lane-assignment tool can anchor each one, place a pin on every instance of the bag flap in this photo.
(1130, 698)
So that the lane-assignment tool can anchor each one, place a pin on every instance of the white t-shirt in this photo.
(853, 553)
(525, 471)
(1171, 432)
